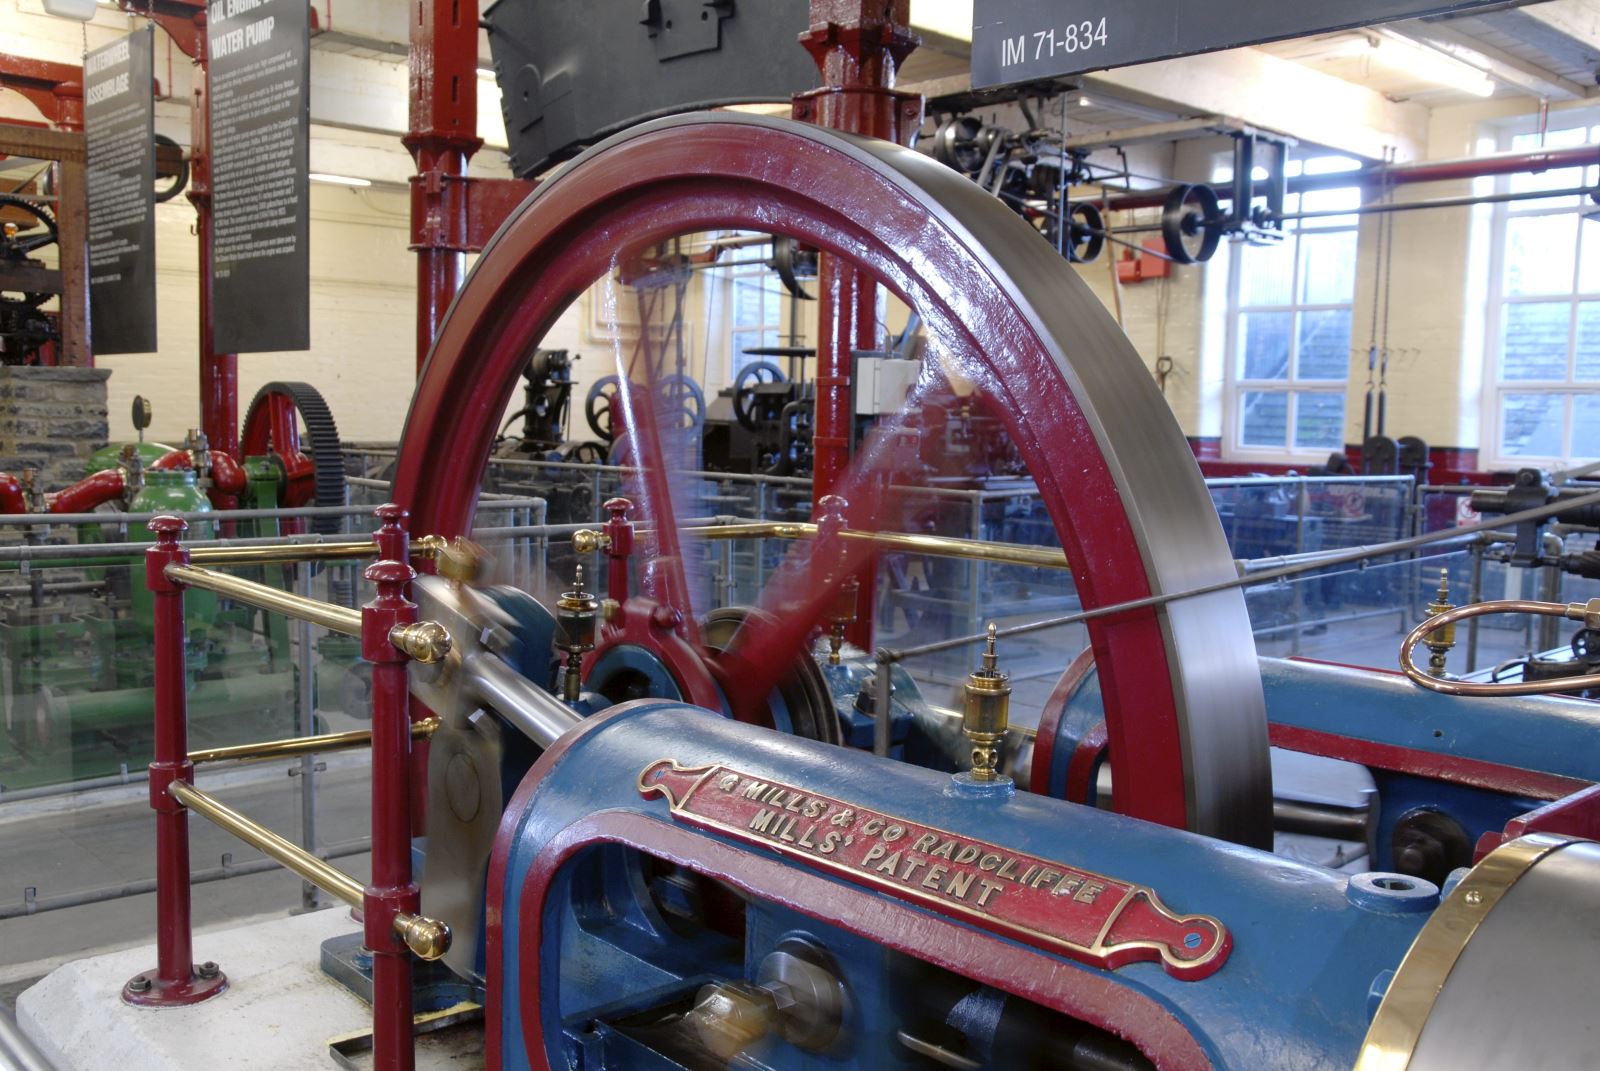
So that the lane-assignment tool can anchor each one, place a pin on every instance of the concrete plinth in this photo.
(278, 1012)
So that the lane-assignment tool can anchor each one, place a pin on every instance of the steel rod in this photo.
(305, 724)
(293, 547)
(267, 554)
(329, 879)
(1355, 554)
(333, 618)
(1441, 202)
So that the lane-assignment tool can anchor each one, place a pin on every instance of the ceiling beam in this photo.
(1500, 65)
(1274, 94)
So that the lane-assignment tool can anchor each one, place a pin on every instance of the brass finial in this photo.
(427, 938)
(423, 641)
(587, 541)
(1440, 640)
(987, 712)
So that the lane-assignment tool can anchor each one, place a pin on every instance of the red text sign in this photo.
(1059, 908)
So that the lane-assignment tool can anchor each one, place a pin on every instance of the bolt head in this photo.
(141, 984)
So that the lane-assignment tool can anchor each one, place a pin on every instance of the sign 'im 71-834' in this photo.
(1021, 40)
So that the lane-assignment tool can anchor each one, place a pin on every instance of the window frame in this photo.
(730, 279)
(1234, 383)
(1491, 447)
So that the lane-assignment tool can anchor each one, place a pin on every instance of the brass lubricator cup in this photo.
(986, 713)
(576, 613)
(1442, 639)
(461, 560)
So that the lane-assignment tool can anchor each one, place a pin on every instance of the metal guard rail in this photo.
(391, 637)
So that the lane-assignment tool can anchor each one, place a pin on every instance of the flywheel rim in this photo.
(1185, 712)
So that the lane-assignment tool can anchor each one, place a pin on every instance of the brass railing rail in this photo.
(337, 550)
(933, 545)
(264, 750)
(265, 597)
(428, 938)
(424, 641)
(425, 547)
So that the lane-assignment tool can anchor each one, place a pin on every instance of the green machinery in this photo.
(75, 644)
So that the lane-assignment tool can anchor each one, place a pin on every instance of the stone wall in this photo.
(51, 419)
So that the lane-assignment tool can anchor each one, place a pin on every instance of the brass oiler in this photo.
(986, 713)
(1442, 639)
(576, 614)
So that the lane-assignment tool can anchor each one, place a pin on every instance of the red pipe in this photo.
(227, 475)
(391, 890)
(87, 493)
(11, 497)
(177, 459)
(1469, 167)
(174, 981)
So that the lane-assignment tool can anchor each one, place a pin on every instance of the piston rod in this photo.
(537, 714)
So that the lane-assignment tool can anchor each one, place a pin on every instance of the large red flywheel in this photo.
(1185, 720)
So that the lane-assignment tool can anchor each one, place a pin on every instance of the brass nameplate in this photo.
(1090, 917)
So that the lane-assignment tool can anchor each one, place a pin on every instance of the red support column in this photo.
(391, 891)
(858, 45)
(219, 372)
(443, 137)
(175, 981)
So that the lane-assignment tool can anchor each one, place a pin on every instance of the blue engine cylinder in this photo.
(659, 866)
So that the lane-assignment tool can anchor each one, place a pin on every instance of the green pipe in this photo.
(117, 709)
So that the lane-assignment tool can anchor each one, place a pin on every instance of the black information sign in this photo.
(1020, 40)
(260, 62)
(119, 130)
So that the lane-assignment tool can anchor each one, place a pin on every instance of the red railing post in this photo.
(175, 981)
(619, 531)
(391, 891)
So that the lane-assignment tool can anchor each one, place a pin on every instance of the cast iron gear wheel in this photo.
(280, 399)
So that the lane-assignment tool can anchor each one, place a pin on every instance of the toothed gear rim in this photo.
(327, 457)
